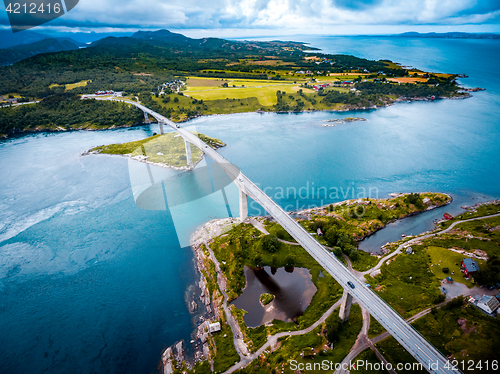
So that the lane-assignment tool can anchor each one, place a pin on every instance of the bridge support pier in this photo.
(160, 123)
(146, 118)
(243, 204)
(188, 152)
(345, 307)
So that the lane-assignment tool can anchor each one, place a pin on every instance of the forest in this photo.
(67, 112)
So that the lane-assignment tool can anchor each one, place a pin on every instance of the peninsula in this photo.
(212, 76)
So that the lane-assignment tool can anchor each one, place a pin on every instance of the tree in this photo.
(331, 236)
(290, 260)
(333, 324)
(337, 251)
(257, 260)
(352, 252)
(270, 243)
(344, 240)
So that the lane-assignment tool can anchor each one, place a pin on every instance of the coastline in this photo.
(465, 95)
(61, 130)
(160, 164)
(214, 303)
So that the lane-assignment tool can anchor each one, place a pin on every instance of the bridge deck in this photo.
(431, 359)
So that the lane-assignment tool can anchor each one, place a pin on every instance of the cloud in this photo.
(293, 15)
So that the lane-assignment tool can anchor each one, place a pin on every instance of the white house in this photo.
(214, 327)
(488, 304)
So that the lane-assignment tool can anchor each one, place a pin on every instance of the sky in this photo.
(238, 18)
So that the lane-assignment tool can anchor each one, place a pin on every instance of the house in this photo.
(488, 304)
(214, 327)
(470, 266)
(409, 251)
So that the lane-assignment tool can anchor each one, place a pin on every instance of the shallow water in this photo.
(89, 280)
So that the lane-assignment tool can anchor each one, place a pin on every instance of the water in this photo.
(293, 292)
(90, 281)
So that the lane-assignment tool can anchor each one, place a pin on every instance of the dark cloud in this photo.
(273, 14)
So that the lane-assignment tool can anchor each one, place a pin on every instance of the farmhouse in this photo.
(470, 266)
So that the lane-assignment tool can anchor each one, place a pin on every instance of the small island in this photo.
(266, 298)
(338, 121)
(167, 150)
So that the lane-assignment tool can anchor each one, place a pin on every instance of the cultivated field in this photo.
(263, 90)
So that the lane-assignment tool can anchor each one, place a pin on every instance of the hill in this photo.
(450, 35)
(23, 51)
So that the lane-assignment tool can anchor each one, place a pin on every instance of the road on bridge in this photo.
(431, 359)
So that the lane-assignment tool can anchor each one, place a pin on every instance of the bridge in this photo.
(431, 359)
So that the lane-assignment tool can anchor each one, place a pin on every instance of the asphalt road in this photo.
(431, 359)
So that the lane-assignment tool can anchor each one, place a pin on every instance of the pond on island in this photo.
(293, 292)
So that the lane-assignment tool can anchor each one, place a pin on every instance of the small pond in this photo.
(293, 290)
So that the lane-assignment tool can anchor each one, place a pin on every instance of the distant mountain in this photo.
(450, 35)
(177, 43)
(9, 39)
(20, 52)
(163, 36)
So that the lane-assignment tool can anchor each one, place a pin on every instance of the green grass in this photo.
(226, 355)
(348, 333)
(375, 328)
(178, 110)
(264, 91)
(123, 148)
(407, 283)
(275, 229)
(70, 86)
(266, 298)
(168, 149)
(443, 258)
(365, 261)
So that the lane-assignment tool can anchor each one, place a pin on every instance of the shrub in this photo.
(439, 299)
(270, 243)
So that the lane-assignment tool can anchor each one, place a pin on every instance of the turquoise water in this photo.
(91, 283)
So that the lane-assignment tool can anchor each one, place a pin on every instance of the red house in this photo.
(470, 266)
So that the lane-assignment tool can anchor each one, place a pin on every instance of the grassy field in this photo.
(185, 104)
(348, 333)
(264, 91)
(168, 149)
(365, 261)
(226, 354)
(443, 258)
(71, 86)
(406, 283)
